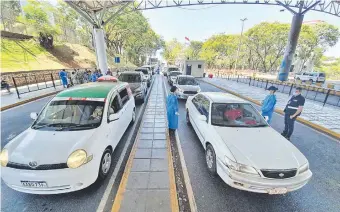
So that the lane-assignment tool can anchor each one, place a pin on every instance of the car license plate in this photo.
(278, 191)
(34, 184)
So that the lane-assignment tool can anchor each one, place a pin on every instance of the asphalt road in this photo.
(13, 122)
(322, 193)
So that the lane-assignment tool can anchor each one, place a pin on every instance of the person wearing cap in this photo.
(292, 110)
(268, 104)
(172, 109)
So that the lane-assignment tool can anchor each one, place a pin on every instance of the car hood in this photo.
(262, 148)
(189, 87)
(47, 147)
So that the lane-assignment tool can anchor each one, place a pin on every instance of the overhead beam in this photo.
(115, 14)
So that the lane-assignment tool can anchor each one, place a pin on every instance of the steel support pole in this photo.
(291, 46)
(100, 47)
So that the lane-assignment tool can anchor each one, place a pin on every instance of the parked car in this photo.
(71, 141)
(172, 76)
(171, 69)
(187, 86)
(150, 68)
(242, 148)
(146, 75)
(137, 84)
(311, 76)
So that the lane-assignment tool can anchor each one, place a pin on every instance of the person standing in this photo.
(268, 104)
(172, 109)
(63, 77)
(292, 110)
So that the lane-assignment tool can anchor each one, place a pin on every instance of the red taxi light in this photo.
(107, 79)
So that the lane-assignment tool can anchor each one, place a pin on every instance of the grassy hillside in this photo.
(29, 55)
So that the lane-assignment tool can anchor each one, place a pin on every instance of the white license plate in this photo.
(34, 184)
(278, 191)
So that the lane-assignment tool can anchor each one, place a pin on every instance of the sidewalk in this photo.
(148, 181)
(326, 116)
(8, 99)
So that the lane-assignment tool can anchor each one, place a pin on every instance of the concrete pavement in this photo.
(326, 116)
(148, 181)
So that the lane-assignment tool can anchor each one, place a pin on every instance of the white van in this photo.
(311, 76)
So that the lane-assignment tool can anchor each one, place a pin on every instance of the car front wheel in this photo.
(187, 118)
(210, 158)
(105, 164)
(134, 115)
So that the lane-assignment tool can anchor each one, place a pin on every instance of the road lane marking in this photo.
(317, 128)
(13, 108)
(190, 193)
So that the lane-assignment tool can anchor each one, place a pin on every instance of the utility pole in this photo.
(293, 37)
(240, 43)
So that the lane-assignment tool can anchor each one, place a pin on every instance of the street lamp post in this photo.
(240, 43)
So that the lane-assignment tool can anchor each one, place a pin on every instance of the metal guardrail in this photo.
(312, 92)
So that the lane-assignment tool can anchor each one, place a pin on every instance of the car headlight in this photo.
(78, 158)
(180, 90)
(4, 157)
(239, 167)
(304, 168)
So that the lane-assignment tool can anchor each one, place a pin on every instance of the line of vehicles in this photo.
(71, 141)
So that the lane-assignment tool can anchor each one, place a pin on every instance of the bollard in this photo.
(266, 85)
(28, 87)
(45, 81)
(291, 88)
(36, 81)
(238, 76)
(249, 80)
(53, 80)
(16, 87)
(329, 90)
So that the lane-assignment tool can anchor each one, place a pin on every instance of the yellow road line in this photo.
(303, 121)
(122, 187)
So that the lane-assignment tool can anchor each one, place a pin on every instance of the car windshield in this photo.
(187, 81)
(143, 70)
(131, 78)
(71, 113)
(322, 75)
(236, 115)
(175, 73)
(172, 69)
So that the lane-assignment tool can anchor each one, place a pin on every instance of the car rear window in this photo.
(173, 69)
(175, 73)
(130, 78)
(143, 70)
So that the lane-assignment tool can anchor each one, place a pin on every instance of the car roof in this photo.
(130, 72)
(220, 97)
(184, 76)
(91, 90)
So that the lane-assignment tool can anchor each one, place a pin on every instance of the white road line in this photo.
(187, 182)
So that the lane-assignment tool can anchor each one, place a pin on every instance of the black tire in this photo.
(210, 153)
(102, 174)
(134, 115)
(187, 118)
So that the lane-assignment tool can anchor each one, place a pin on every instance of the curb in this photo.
(27, 101)
(301, 120)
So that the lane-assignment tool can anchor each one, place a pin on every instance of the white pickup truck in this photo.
(311, 76)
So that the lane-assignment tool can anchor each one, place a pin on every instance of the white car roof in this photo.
(220, 97)
(184, 76)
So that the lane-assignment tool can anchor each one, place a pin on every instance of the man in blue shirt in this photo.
(292, 110)
(269, 103)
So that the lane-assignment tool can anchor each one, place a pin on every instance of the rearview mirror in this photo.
(202, 118)
(34, 115)
(113, 117)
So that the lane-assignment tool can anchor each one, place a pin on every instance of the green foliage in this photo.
(172, 51)
(331, 66)
(194, 50)
(9, 12)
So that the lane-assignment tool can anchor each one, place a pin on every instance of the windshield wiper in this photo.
(73, 126)
(36, 126)
(260, 125)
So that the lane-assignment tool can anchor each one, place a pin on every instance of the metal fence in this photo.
(312, 92)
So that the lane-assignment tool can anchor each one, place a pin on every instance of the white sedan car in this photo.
(242, 148)
(187, 86)
(70, 144)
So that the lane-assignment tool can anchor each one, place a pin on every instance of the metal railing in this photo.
(312, 92)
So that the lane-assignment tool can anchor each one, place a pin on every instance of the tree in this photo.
(268, 42)
(193, 51)
(172, 51)
(10, 10)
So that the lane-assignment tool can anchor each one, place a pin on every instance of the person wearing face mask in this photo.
(268, 104)
(292, 110)
(172, 109)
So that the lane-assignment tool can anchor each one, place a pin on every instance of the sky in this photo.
(201, 22)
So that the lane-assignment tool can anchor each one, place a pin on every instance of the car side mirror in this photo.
(113, 117)
(202, 118)
(34, 115)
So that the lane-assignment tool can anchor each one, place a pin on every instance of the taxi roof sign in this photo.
(107, 79)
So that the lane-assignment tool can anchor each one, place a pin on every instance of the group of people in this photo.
(79, 77)
(292, 110)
